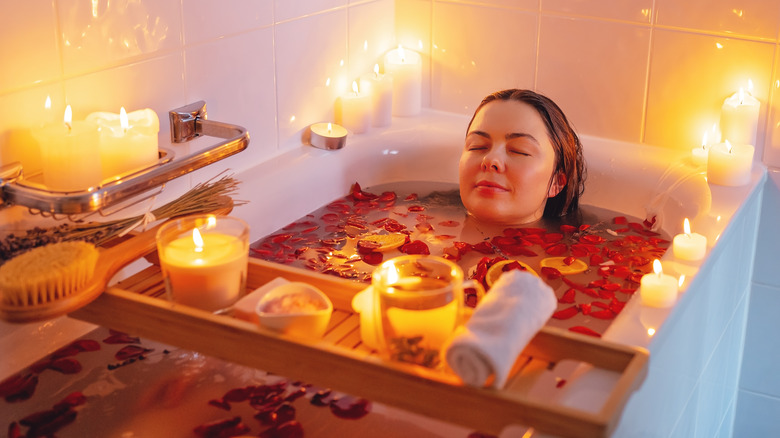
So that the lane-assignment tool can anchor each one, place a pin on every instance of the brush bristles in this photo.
(47, 273)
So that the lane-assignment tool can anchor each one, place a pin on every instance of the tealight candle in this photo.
(699, 154)
(70, 154)
(380, 88)
(128, 142)
(689, 246)
(729, 165)
(355, 110)
(658, 289)
(328, 136)
(405, 66)
(739, 118)
(204, 260)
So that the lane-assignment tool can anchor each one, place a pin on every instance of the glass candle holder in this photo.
(204, 260)
(418, 303)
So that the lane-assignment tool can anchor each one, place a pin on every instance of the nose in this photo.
(492, 162)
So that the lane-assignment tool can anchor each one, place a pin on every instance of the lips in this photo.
(489, 185)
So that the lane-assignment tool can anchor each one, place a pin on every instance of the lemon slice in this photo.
(386, 242)
(496, 270)
(558, 263)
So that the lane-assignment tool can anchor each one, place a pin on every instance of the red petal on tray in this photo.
(350, 407)
(289, 429)
(222, 428)
(18, 387)
(66, 365)
(131, 352)
(121, 338)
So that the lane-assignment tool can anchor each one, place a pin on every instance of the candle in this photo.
(405, 66)
(128, 142)
(354, 110)
(380, 88)
(658, 289)
(204, 260)
(328, 136)
(689, 246)
(739, 118)
(70, 154)
(699, 154)
(729, 165)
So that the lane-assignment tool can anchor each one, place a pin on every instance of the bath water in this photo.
(593, 262)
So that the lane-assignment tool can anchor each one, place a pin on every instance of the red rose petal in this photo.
(566, 313)
(415, 247)
(131, 352)
(66, 365)
(568, 296)
(584, 331)
(350, 407)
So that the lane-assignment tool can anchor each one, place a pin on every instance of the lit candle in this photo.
(380, 88)
(70, 154)
(435, 325)
(405, 66)
(205, 269)
(128, 142)
(328, 136)
(658, 289)
(355, 110)
(739, 117)
(689, 246)
(699, 154)
(729, 165)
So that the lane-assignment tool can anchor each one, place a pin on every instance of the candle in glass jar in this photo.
(70, 154)
(688, 245)
(739, 118)
(658, 289)
(128, 142)
(355, 110)
(405, 66)
(380, 88)
(205, 270)
(729, 165)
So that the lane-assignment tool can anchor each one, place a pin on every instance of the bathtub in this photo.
(695, 347)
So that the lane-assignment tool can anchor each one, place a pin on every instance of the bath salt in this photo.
(245, 307)
(297, 302)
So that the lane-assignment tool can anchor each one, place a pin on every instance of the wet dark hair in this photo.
(565, 142)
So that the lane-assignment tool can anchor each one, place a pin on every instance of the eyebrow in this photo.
(510, 136)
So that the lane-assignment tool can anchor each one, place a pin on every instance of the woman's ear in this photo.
(557, 184)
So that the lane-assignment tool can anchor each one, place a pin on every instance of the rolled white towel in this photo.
(517, 306)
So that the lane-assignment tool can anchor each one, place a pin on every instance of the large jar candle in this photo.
(204, 260)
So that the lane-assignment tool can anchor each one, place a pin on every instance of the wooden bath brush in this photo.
(56, 279)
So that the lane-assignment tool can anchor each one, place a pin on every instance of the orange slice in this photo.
(496, 270)
(559, 263)
(386, 242)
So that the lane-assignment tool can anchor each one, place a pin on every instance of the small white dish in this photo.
(295, 308)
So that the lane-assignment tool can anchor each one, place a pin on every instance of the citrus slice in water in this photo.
(496, 270)
(565, 265)
(386, 242)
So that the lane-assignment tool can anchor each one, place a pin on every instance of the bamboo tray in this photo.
(137, 305)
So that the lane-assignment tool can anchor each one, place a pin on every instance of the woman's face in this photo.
(507, 164)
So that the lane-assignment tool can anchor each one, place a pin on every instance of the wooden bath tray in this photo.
(137, 305)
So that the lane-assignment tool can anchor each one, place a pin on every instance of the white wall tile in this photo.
(756, 416)
(235, 76)
(28, 44)
(631, 10)
(596, 72)
(755, 18)
(114, 32)
(311, 71)
(413, 20)
(690, 77)
(762, 347)
(206, 19)
(292, 9)
(471, 60)
(369, 38)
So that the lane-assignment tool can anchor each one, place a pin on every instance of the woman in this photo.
(522, 161)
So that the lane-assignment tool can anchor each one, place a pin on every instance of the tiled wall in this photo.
(653, 71)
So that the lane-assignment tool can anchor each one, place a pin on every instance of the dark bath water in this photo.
(615, 249)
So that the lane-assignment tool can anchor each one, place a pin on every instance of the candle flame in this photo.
(650, 331)
(401, 53)
(657, 268)
(211, 221)
(750, 86)
(681, 280)
(365, 45)
(420, 44)
(197, 240)
(687, 227)
(376, 70)
(704, 140)
(728, 146)
(47, 105)
(123, 119)
(68, 116)
(330, 128)
(355, 87)
(741, 95)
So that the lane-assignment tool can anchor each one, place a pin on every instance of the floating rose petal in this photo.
(372, 258)
(387, 196)
(552, 237)
(568, 297)
(222, 428)
(619, 220)
(603, 314)
(568, 228)
(566, 313)
(484, 247)
(415, 247)
(220, 403)
(584, 331)
(424, 227)
(551, 273)
(411, 197)
(449, 223)
(18, 387)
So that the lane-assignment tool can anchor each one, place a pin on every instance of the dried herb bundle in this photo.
(203, 198)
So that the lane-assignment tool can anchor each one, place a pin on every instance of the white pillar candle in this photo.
(380, 88)
(729, 165)
(206, 268)
(739, 118)
(658, 289)
(355, 110)
(70, 154)
(689, 246)
(128, 142)
(328, 136)
(405, 66)
(699, 155)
